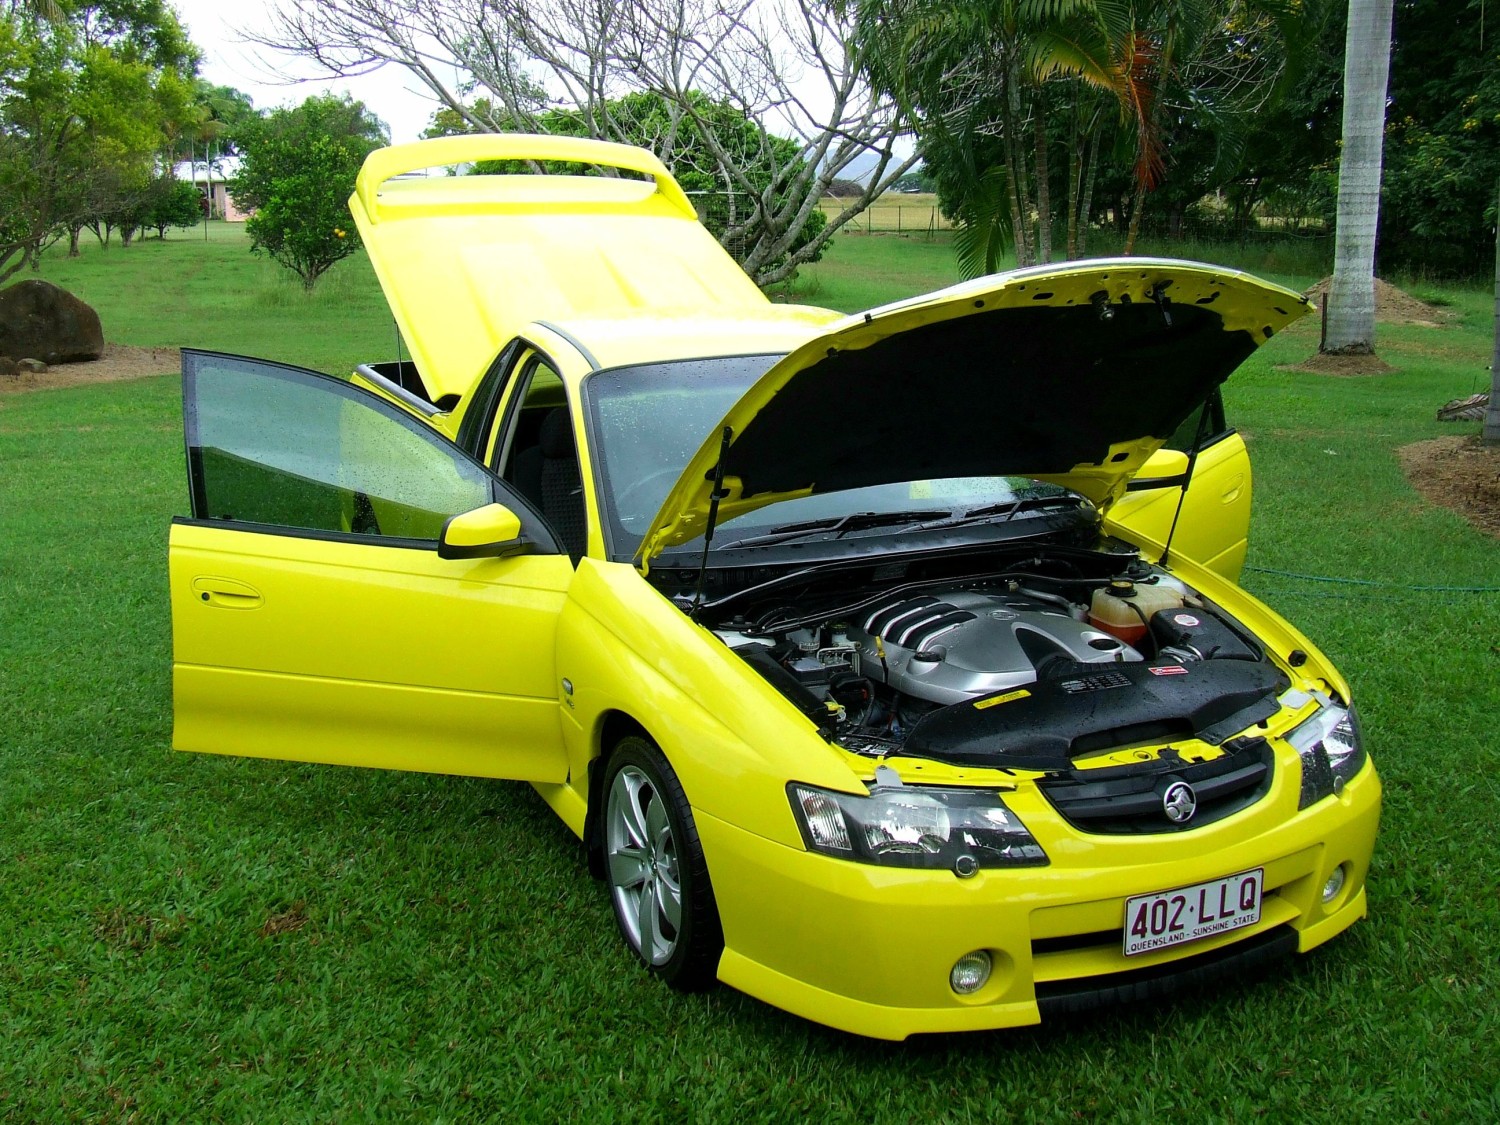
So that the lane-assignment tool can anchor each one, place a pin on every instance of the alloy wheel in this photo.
(644, 877)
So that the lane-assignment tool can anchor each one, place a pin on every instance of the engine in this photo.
(1008, 674)
(961, 645)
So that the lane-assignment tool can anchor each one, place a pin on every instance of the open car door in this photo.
(1211, 511)
(314, 617)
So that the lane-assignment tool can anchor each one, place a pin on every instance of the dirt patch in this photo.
(124, 930)
(288, 921)
(1392, 305)
(120, 361)
(1341, 366)
(1461, 474)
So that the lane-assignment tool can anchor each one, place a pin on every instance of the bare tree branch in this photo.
(789, 66)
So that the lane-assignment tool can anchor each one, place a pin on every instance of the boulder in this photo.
(34, 366)
(37, 319)
(8, 368)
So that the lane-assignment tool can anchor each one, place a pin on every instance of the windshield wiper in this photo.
(836, 527)
(1007, 511)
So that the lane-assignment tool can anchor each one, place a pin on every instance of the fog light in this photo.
(1331, 888)
(970, 972)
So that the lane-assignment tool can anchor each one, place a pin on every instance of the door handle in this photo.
(226, 593)
(1234, 488)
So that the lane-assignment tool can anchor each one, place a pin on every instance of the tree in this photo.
(787, 66)
(171, 202)
(1442, 150)
(919, 180)
(85, 98)
(1289, 157)
(1349, 312)
(997, 86)
(1492, 414)
(297, 171)
(970, 72)
(211, 115)
(645, 119)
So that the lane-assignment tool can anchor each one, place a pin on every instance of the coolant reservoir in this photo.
(1123, 609)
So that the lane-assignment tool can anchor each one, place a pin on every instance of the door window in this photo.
(269, 444)
(534, 450)
(539, 391)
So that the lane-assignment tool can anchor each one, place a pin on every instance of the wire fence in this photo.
(1292, 243)
(896, 213)
(893, 213)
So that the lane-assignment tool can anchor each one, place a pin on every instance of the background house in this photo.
(212, 181)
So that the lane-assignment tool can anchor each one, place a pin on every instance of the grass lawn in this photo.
(188, 938)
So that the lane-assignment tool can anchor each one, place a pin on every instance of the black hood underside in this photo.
(979, 396)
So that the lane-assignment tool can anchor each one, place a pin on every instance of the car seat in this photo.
(547, 474)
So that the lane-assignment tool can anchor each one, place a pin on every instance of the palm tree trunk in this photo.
(1137, 206)
(1090, 176)
(1349, 326)
(1075, 180)
(1492, 415)
(1016, 198)
(1043, 178)
(1016, 162)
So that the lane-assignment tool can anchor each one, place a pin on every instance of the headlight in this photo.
(912, 826)
(1332, 751)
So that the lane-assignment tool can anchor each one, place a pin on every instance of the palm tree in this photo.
(48, 10)
(981, 74)
(1349, 320)
(982, 67)
(1492, 415)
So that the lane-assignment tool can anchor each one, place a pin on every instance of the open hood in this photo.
(1074, 374)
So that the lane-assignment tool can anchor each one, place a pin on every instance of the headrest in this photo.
(556, 437)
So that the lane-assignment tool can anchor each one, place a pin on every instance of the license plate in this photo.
(1172, 917)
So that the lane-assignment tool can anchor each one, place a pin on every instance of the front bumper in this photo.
(868, 949)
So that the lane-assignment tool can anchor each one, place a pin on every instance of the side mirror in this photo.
(1168, 466)
(490, 532)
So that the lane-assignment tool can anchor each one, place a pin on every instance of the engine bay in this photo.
(1032, 664)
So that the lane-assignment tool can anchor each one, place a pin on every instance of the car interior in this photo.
(539, 456)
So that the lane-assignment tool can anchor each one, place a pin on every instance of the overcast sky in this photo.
(269, 78)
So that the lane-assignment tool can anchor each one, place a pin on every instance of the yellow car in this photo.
(890, 667)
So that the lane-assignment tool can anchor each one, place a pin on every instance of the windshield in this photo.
(649, 420)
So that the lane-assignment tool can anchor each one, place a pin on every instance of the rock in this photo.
(9, 369)
(35, 366)
(39, 319)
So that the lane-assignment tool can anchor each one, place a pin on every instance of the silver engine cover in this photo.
(959, 645)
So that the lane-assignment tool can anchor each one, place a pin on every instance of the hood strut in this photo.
(1187, 478)
(713, 517)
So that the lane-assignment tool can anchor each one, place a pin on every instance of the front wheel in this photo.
(657, 876)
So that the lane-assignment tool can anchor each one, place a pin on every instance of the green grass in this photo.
(189, 938)
(219, 296)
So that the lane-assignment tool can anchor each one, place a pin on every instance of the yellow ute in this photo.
(890, 667)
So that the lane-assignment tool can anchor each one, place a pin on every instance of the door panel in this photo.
(312, 617)
(363, 654)
(1215, 520)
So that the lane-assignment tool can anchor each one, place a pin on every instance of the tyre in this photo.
(658, 880)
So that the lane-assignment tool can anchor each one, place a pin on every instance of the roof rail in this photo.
(386, 163)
